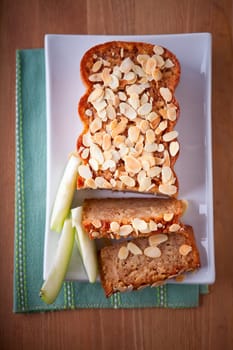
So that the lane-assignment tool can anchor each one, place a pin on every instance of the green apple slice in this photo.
(86, 246)
(52, 285)
(65, 194)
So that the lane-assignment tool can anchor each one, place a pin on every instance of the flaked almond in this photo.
(106, 76)
(128, 181)
(154, 171)
(125, 230)
(95, 234)
(122, 96)
(119, 128)
(163, 125)
(145, 164)
(110, 112)
(166, 94)
(157, 74)
(126, 65)
(96, 223)
(139, 224)
(168, 216)
(168, 63)
(138, 70)
(144, 125)
(154, 119)
(133, 133)
(109, 164)
(159, 59)
(150, 136)
(96, 153)
(130, 77)
(185, 249)
(144, 184)
(114, 226)
(174, 228)
(99, 105)
(174, 148)
(95, 77)
(158, 50)
(127, 110)
(151, 147)
(134, 249)
(94, 164)
(169, 136)
(133, 100)
(85, 153)
(145, 109)
(114, 83)
(96, 94)
(168, 189)
(101, 182)
(85, 171)
(106, 144)
(166, 159)
(90, 183)
(153, 226)
(152, 252)
(141, 175)
(123, 253)
(171, 113)
(166, 174)
(137, 88)
(150, 65)
(159, 161)
(113, 182)
(123, 150)
(95, 125)
(132, 165)
(157, 239)
(142, 59)
(160, 147)
(96, 66)
(117, 72)
(88, 112)
(118, 140)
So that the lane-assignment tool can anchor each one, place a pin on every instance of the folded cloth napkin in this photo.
(30, 203)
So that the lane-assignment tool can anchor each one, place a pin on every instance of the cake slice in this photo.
(148, 261)
(129, 112)
(131, 217)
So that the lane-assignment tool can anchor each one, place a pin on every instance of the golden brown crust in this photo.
(153, 74)
(138, 271)
(143, 216)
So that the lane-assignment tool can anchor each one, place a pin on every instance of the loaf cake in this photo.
(131, 217)
(142, 262)
(129, 112)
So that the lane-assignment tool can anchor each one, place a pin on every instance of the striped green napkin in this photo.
(30, 203)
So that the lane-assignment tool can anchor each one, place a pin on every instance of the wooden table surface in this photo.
(23, 24)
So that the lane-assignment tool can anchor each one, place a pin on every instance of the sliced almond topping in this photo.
(116, 71)
(134, 249)
(138, 149)
(114, 83)
(145, 164)
(102, 183)
(96, 223)
(106, 76)
(171, 113)
(150, 65)
(122, 96)
(122, 52)
(163, 125)
(126, 65)
(141, 175)
(95, 125)
(88, 112)
(110, 112)
(144, 184)
(150, 136)
(157, 74)
(151, 147)
(144, 126)
(154, 171)
(125, 230)
(166, 159)
(96, 153)
(158, 50)
(84, 171)
(96, 66)
(85, 153)
(133, 133)
(95, 77)
(114, 226)
(90, 183)
(127, 110)
(94, 164)
(152, 252)
(174, 228)
(168, 189)
(159, 59)
(145, 109)
(138, 70)
(139, 225)
(109, 164)
(128, 181)
(119, 140)
(185, 249)
(154, 120)
(153, 226)
(106, 144)
(168, 216)
(168, 63)
(166, 94)
(119, 128)
(174, 148)
(123, 151)
(144, 99)
(113, 182)
(169, 136)
(142, 58)
(130, 77)
(123, 253)
(132, 165)
(159, 161)
(95, 94)
(166, 174)
(157, 239)
(137, 89)
(99, 106)
(160, 147)
(133, 100)
(98, 138)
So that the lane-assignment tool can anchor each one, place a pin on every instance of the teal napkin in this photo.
(30, 205)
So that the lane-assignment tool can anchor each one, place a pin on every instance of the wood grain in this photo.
(23, 25)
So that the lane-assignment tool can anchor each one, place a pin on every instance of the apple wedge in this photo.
(86, 246)
(52, 285)
(65, 194)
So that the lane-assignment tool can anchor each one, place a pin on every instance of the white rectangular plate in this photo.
(194, 166)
